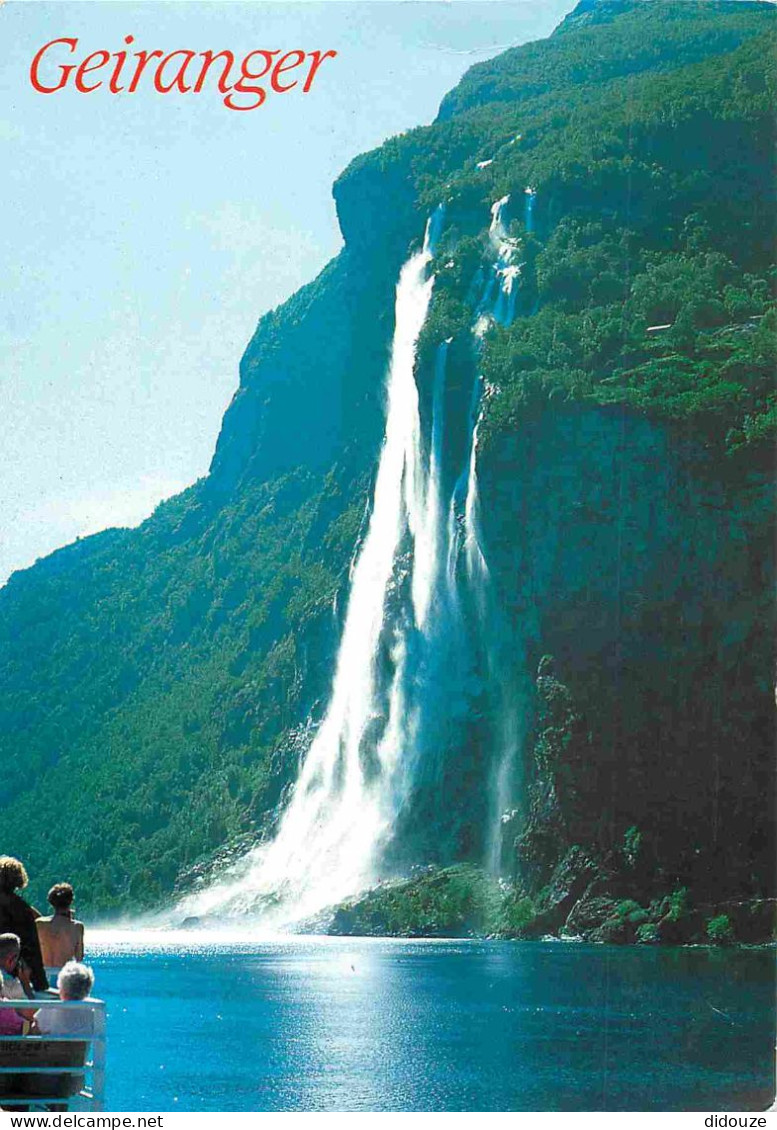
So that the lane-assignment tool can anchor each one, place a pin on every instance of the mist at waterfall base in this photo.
(340, 1024)
(420, 680)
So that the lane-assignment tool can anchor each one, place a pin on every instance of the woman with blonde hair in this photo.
(17, 917)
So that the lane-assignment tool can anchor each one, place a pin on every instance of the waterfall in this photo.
(506, 272)
(498, 302)
(425, 517)
(530, 197)
(417, 638)
(358, 769)
(465, 491)
(477, 569)
(463, 527)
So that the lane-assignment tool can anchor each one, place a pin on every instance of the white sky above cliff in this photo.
(144, 236)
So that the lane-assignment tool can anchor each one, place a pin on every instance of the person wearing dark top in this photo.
(17, 917)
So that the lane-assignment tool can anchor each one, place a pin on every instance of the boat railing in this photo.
(45, 1072)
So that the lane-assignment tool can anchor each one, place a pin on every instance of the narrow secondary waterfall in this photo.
(500, 295)
(477, 568)
(499, 302)
(463, 527)
(358, 770)
(530, 198)
(506, 271)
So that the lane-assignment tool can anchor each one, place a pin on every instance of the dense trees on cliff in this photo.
(655, 208)
(692, 341)
(151, 724)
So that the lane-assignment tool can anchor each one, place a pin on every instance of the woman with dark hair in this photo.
(17, 917)
(61, 936)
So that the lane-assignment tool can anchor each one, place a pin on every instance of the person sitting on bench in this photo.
(14, 975)
(75, 983)
(12, 1021)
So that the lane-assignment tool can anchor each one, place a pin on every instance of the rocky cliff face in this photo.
(641, 568)
(311, 378)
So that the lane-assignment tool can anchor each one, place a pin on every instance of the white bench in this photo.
(38, 1072)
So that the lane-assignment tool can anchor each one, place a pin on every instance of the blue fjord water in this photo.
(203, 1024)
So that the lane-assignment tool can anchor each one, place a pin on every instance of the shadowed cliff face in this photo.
(311, 378)
(307, 376)
(642, 566)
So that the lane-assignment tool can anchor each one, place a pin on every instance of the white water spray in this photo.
(358, 770)
(505, 277)
(506, 271)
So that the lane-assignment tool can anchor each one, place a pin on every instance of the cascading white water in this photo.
(506, 271)
(477, 569)
(463, 526)
(530, 195)
(363, 763)
(497, 231)
(355, 778)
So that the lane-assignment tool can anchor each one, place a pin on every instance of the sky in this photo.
(143, 236)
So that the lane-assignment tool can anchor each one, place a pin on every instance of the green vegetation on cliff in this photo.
(180, 666)
(655, 208)
(711, 362)
(450, 902)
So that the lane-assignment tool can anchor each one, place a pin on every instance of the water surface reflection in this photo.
(378, 1025)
